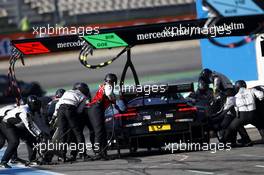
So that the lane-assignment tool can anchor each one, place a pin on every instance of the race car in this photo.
(6, 96)
(153, 120)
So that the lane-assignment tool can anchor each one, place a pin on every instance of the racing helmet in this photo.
(111, 78)
(83, 87)
(239, 84)
(59, 93)
(34, 103)
(206, 75)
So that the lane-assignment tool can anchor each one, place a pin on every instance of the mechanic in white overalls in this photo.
(18, 123)
(245, 105)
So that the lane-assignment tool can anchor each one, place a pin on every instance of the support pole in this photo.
(127, 65)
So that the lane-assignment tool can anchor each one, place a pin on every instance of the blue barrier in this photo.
(236, 63)
(21, 169)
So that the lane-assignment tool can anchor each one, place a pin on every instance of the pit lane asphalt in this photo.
(245, 161)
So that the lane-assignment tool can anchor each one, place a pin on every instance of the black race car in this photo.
(158, 118)
(27, 89)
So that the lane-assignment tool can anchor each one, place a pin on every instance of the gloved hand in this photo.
(55, 114)
(39, 138)
(52, 122)
(42, 137)
(217, 97)
(20, 125)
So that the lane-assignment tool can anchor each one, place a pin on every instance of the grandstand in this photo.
(74, 12)
(77, 7)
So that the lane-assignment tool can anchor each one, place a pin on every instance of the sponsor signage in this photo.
(52, 44)
(32, 48)
(103, 41)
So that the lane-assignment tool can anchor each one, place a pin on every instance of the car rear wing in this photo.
(181, 88)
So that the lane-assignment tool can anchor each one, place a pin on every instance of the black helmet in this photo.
(83, 87)
(111, 78)
(206, 75)
(34, 103)
(59, 93)
(239, 84)
(202, 85)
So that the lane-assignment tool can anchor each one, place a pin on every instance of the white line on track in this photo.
(200, 172)
(166, 164)
(260, 166)
(112, 173)
(182, 157)
(153, 167)
(251, 155)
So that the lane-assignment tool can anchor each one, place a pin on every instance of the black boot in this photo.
(85, 157)
(18, 160)
(261, 132)
(69, 159)
(5, 164)
(244, 143)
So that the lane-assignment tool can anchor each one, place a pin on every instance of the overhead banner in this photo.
(145, 34)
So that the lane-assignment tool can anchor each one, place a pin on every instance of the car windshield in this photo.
(155, 100)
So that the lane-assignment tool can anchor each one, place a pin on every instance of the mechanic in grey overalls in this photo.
(221, 84)
(68, 108)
